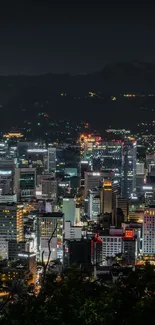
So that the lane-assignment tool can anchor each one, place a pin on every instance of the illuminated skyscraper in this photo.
(11, 226)
(129, 168)
(25, 182)
(69, 209)
(106, 197)
(7, 172)
(84, 167)
(140, 175)
(122, 204)
(48, 224)
(108, 156)
(48, 186)
(92, 180)
(148, 247)
(94, 204)
(51, 162)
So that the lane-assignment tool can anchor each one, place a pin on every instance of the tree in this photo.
(76, 299)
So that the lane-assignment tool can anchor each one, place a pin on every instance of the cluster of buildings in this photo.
(87, 203)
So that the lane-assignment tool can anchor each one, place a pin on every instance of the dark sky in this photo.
(40, 36)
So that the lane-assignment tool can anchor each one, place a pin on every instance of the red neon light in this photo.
(129, 233)
(97, 239)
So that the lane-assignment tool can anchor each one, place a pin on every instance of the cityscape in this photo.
(77, 164)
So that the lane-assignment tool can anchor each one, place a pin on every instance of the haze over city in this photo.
(77, 163)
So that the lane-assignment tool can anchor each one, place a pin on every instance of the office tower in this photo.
(84, 167)
(60, 161)
(3, 150)
(148, 192)
(7, 172)
(130, 247)
(106, 196)
(92, 180)
(69, 209)
(22, 148)
(129, 168)
(139, 168)
(25, 182)
(28, 260)
(37, 157)
(111, 246)
(140, 173)
(63, 187)
(77, 252)
(25, 270)
(148, 246)
(124, 206)
(72, 232)
(51, 160)
(150, 163)
(136, 228)
(31, 240)
(50, 224)
(11, 226)
(15, 248)
(48, 186)
(108, 156)
(94, 204)
(12, 152)
(8, 198)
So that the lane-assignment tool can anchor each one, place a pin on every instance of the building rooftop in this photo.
(9, 204)
(51, 215)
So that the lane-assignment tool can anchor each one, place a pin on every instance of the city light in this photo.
(37, 150)
(5, 172)
(96, 174)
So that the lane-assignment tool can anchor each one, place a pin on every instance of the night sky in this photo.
(39, 36)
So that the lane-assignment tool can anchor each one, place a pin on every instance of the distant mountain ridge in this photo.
(117, 77)
(23, 97)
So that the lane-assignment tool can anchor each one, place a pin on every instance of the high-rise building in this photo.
(51, 160)
(106, 197)
(3, 149)
(7, 172)
(94, 204)
(148, 246)
(84, 167)
(25, 182)
(72, 233)
(37, 158)
(49, 224)
(69, 209)
(130, 247)
(92, 180)
(28, 260)
(15, 248)
(124, 206)
(49, 189)
(11, 226)
(111, 246)
(48, 186)
(140, 174)
(108, 156)
(139, 168)
(129, 168)
(77, 252)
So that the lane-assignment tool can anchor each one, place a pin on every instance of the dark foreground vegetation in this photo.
(80, 301)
